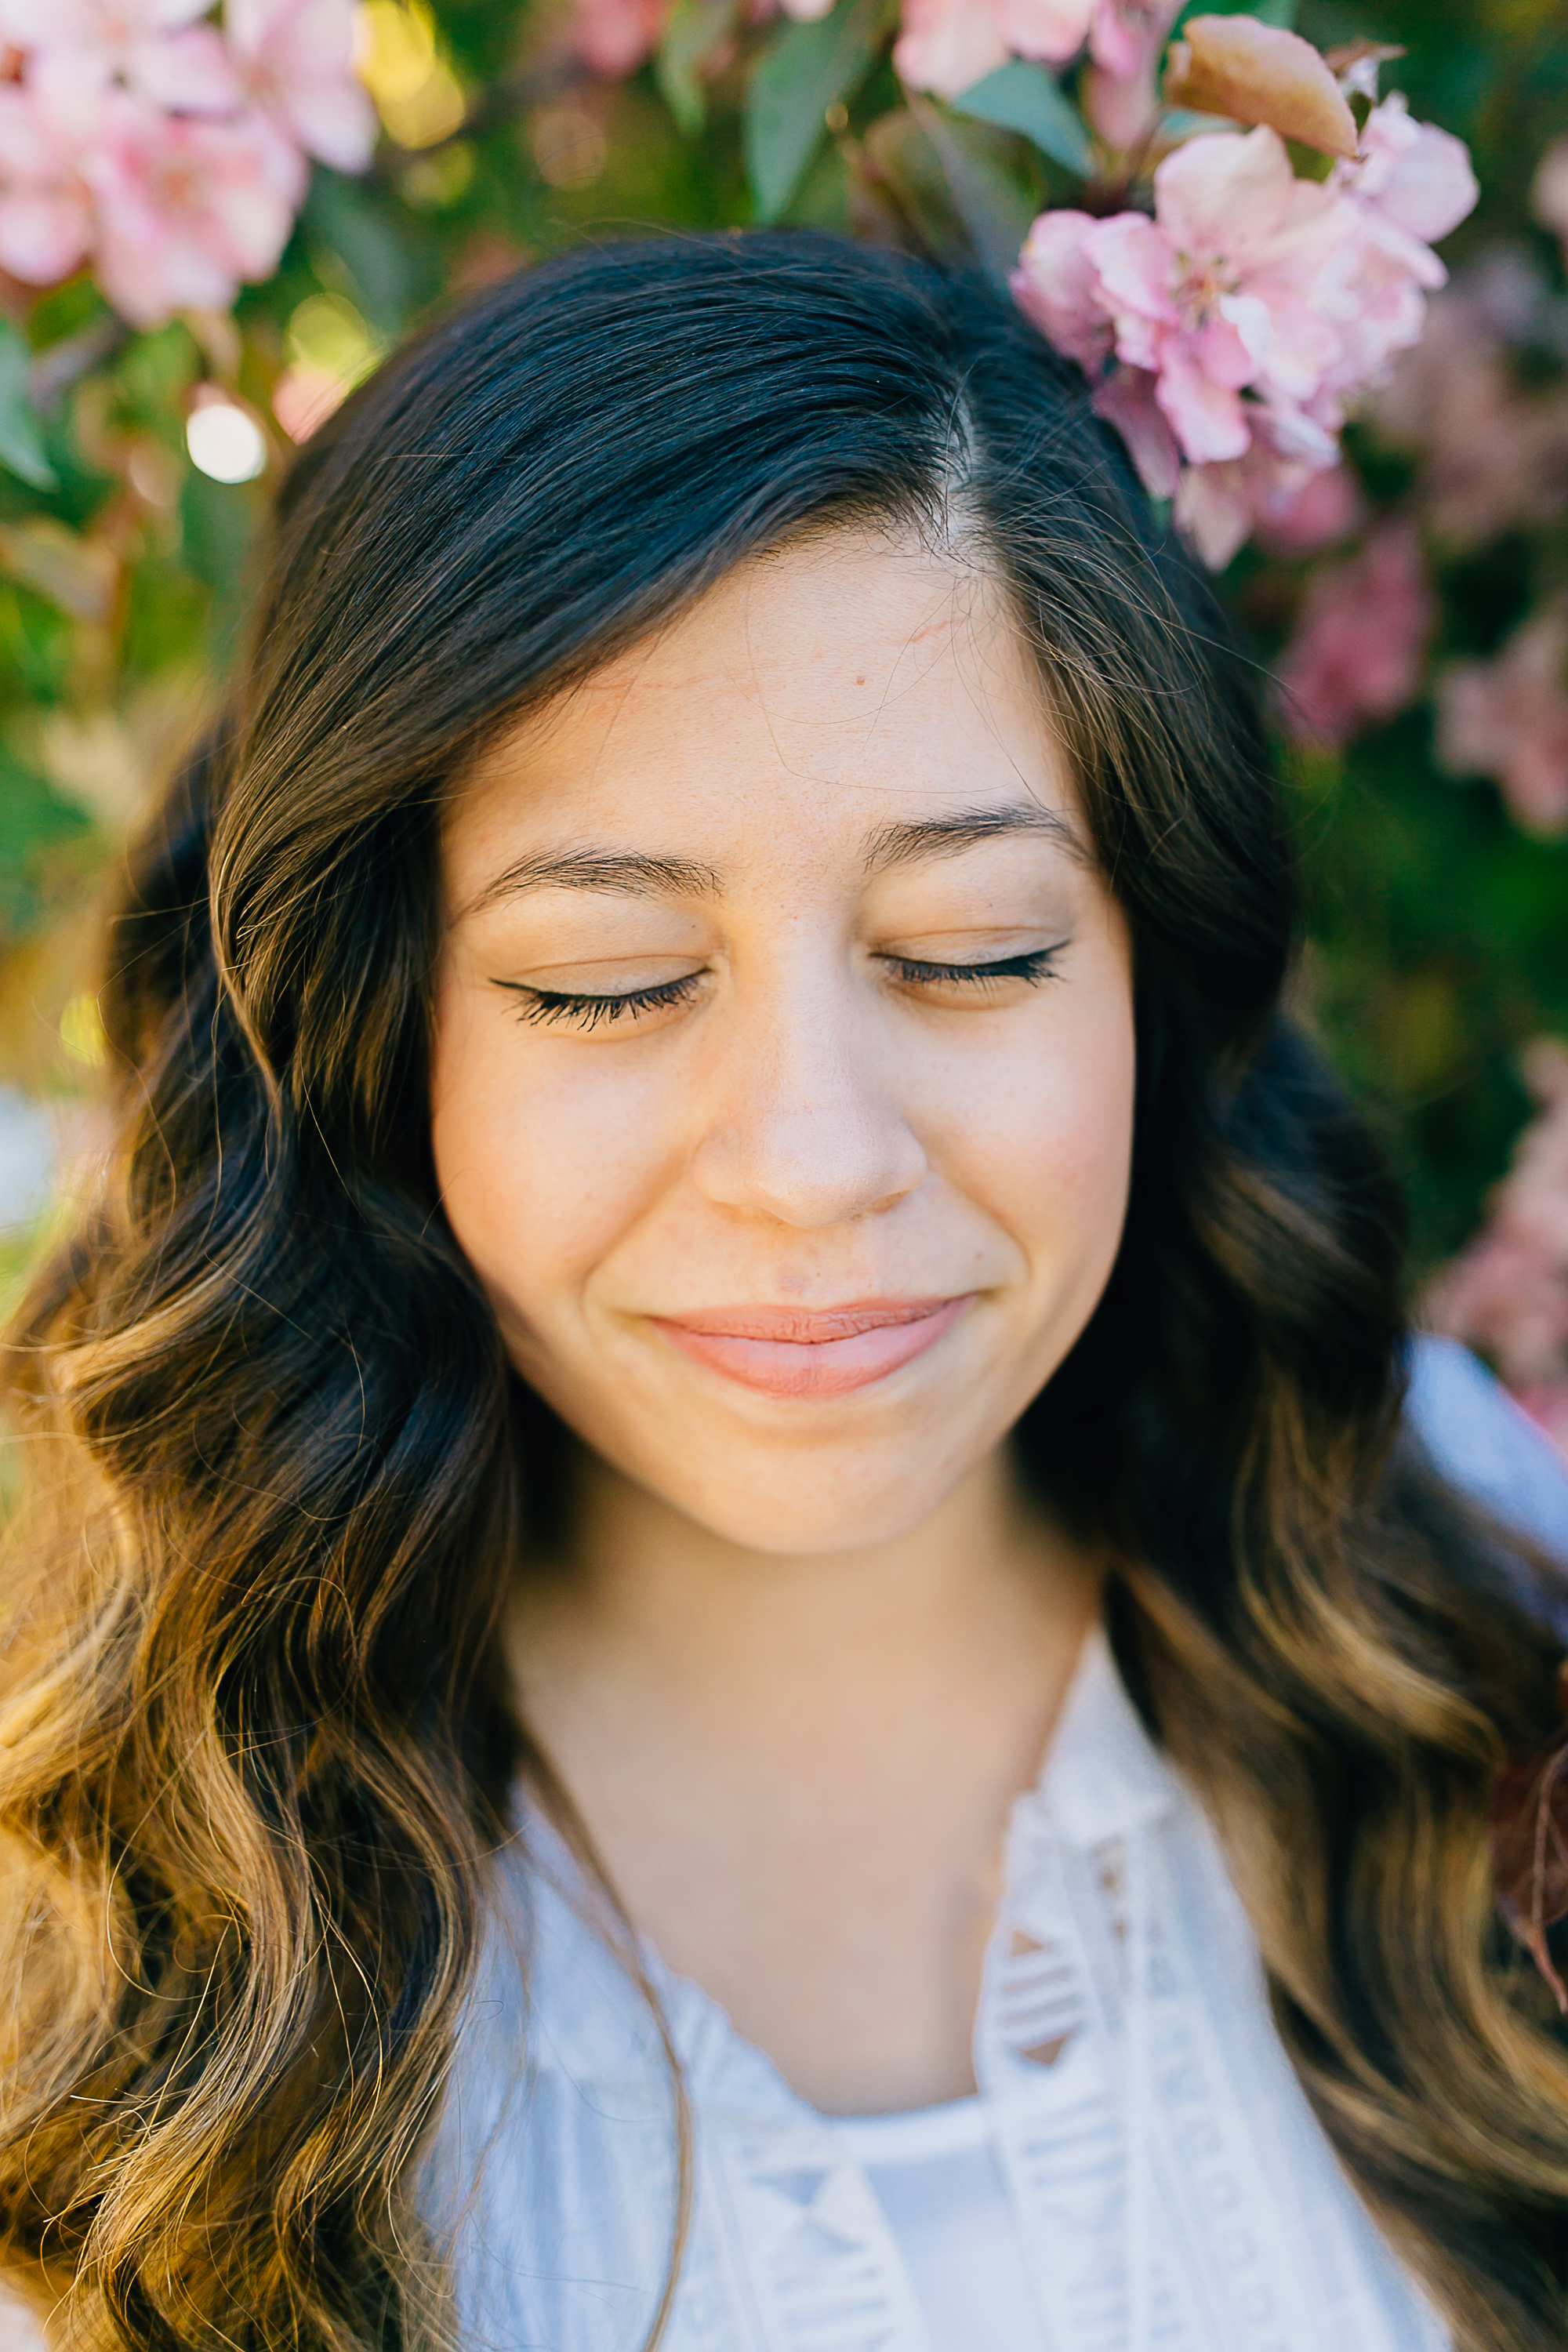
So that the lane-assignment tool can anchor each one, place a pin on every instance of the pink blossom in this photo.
(1408, 183)
(1507, 718)
(1057, 284)
(1221, 505)
(1126, 398)
(1492, 456)
(1214, 295)
(187, 210)
(1118, 90)
(1362, 629)
(1126, 35)
(613, 37)
(1507, 1293)
(79, 47)
(1250, 309)
(948, 45)
(46, 207)
(1410, 175)
(1326, 509)
(295, 60)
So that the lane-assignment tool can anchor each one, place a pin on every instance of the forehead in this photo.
(807, 702)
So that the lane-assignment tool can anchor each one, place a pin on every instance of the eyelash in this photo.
(543, 1007)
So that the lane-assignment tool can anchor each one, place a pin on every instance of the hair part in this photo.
(255, 1745)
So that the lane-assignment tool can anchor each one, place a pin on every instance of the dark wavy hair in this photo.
(255, 1737)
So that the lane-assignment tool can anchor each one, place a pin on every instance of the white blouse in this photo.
(1166, 2184)
(937, 2174)
(1140, 2171)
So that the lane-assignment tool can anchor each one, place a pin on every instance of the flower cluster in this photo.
(1507, 1293)
(1507, 718)
(613, 38)
(1227, 335)
(1492, 449)
(168, 153)
(945, 46)
(948, 45)
(1362, 629)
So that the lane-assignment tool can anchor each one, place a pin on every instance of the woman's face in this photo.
(783, 1070)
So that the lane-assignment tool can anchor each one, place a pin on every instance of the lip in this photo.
(789, 1351)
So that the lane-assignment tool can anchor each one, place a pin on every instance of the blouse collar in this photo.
(1102, 1775)
(1102, 1779)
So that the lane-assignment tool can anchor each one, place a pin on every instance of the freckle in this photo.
(860, 681)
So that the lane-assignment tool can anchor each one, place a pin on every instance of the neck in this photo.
(765, 1645)
(797, 1770)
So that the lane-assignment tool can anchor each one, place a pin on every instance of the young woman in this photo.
(729, 1633)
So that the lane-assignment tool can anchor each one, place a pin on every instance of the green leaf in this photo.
(354, 239)
(1023, 96)
(21, 434)
(807, 68)
(33, 817)
(1267, 12)
(994, 210)
(950, 182)
(694, 30)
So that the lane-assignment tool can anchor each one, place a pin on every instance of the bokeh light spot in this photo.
(225, 441)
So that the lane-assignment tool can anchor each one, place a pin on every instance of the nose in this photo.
(802, 1124)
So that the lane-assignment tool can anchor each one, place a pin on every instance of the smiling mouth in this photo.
(790, 1351)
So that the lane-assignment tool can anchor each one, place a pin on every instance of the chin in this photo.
(809, 1511)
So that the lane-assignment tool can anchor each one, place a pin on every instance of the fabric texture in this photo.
(937, 2174)
(1167, 2185)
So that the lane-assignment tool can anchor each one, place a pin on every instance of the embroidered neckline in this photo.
(1170, 2186)
(1100, 1779)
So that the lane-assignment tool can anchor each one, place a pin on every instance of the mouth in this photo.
(788, 1351)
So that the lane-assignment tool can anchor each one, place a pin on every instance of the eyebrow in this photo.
(634, 874)
(627, 871)
(946, 836)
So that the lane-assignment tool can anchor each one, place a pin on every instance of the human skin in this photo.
(806, 1639)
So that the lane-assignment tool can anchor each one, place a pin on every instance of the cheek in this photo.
(1040, 1131)
(543, 1161)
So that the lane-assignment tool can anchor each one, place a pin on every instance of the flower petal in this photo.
(1136, 262)
(43, 237)
(1056, 285)
(1207, 418)
(1126, 400)
(948, 44)
(334, 122)
(188, 73)
(1053, 29)
(1213, 513)
(1224, 192)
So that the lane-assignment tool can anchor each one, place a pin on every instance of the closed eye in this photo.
(1031, 967)
(545, 1007)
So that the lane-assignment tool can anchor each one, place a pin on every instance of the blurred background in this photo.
(254, 211)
